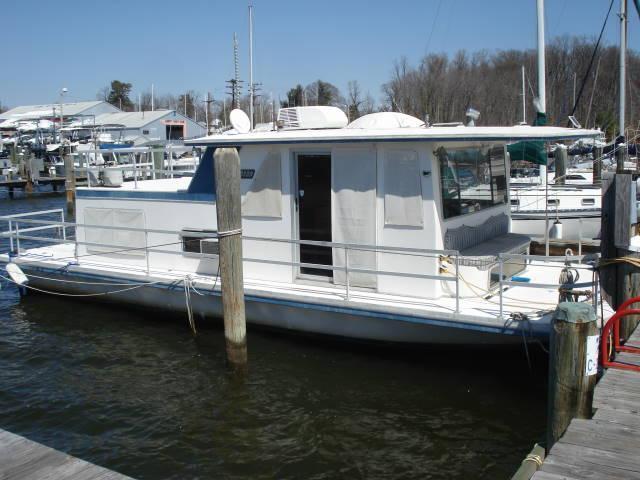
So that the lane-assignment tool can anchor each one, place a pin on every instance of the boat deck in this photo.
(524, 308)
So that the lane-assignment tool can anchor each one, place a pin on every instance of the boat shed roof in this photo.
(398, 134)
(121, 120)
(31, 112)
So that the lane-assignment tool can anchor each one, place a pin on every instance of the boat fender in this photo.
(18, 277)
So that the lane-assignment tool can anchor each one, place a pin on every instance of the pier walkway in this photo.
(21, 458)
(606, 446)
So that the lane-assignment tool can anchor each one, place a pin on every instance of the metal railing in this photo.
(568, 261)
(138, 162)
(19, 234)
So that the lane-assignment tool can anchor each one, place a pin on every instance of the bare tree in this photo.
(491, 83)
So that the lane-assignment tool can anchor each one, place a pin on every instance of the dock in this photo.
(21, 184)
(607, 445)
(21, 458)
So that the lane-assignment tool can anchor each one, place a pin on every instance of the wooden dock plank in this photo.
(612, 460)
(613, 416)
(577, 468)
(23, 459)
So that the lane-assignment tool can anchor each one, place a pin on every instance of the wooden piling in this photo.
(28, 188)
(597, 165)
(227, 178)
(573, 364)
(560, 155)
(619, 280)
(70, 178)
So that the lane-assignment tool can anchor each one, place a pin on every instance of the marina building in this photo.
(141, 128)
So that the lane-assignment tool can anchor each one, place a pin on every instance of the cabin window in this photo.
(402, 189)
(200, 241)
(123, 235)
(264, 198)
(515, 202)
(472, 179)
(588, 202)
(553, 201)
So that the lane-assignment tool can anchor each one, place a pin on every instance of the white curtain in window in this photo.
(123, 241)
(402, 189)
(354, 212)
(102, 236)
(264, 198)
(128, 239)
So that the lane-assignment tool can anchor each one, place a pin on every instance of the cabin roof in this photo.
(431, 134)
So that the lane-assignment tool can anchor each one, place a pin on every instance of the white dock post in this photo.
(227, 178)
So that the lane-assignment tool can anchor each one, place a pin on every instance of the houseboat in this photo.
(383, 229)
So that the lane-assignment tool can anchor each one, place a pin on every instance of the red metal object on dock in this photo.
(612, 328)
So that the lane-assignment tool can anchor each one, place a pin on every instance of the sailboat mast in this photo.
(623, 61)
(524, 100)
(542, 87)
(251, 92)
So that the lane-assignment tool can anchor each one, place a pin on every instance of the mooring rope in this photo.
(187, 297)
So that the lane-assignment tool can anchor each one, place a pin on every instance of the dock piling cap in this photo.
(575, 312)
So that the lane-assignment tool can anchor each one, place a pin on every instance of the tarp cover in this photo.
(264, 198)
(530, 151)
(354, 212)
(402, 189)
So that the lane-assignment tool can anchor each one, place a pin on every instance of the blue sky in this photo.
(181, 45)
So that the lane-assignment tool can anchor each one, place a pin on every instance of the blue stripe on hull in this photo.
(410, 321)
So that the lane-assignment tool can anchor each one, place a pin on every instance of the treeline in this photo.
(444, 87)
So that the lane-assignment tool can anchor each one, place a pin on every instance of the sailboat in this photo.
(571, 209)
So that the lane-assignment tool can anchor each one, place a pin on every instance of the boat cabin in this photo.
(383, 204)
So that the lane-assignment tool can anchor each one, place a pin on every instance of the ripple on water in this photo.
(137, 393)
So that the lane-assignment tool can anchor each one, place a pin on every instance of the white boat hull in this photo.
(374, 324)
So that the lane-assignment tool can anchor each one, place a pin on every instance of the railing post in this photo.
(146, 247)
(11, 235)
(457, 283)
(135, 173)
(500, 285)
(580, 236)
(18, 239)
(170, 162)
(64, 227)
(346, 271)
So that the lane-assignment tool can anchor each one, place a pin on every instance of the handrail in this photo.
(352, 246)
(612, 328)
(452, 256)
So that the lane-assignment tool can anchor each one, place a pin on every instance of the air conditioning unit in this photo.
(307, 118)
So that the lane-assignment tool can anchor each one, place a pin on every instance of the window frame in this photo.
(485, 150)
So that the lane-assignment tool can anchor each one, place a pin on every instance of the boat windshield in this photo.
(472, 179)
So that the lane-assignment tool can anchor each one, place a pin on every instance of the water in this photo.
(135, 392)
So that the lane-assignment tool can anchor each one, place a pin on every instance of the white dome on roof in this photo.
(383, 120)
